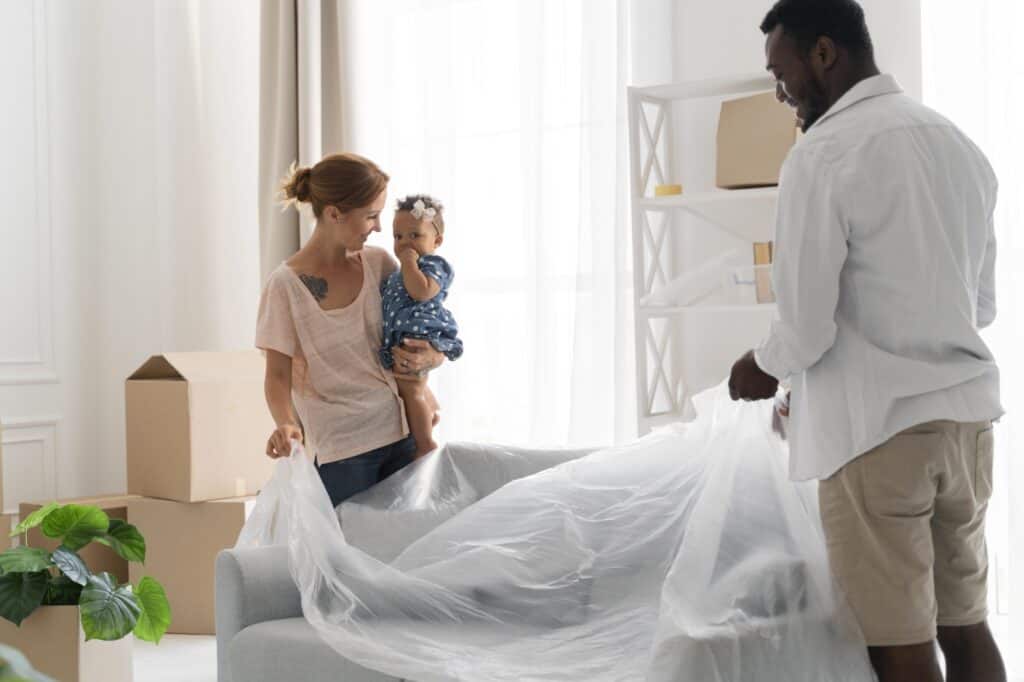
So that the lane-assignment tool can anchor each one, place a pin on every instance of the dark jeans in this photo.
(347, 477)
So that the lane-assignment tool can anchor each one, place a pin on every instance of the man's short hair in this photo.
(807, 20)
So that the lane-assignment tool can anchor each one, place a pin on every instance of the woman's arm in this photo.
(277, 387)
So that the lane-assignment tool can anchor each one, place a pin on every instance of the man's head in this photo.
(817, 50)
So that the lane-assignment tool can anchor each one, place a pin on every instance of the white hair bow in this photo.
(420, 211)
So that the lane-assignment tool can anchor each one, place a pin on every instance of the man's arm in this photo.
(811, 250)
(987, 284)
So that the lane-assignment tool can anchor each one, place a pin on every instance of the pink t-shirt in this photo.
(348, 403)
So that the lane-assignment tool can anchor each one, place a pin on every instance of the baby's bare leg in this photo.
(419, 411)
(435, 407)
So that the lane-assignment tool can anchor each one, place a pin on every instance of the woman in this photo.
(320, 323)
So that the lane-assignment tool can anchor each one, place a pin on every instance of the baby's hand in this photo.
(408, 257)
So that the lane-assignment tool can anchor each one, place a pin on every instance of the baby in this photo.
(413, 299)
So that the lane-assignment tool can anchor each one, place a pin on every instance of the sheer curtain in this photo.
(512, 113)
(974, 74)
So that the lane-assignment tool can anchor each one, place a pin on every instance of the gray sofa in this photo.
(261, 633)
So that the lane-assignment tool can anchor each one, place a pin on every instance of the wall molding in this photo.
(41, 367)
(27, 430)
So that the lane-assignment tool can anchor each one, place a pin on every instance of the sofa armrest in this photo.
(252, 586)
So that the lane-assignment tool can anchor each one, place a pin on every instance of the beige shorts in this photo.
(905, 528)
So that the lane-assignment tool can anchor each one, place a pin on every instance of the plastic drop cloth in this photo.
(686, 555)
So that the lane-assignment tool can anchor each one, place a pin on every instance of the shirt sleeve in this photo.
(987, 283)
(275, 325)
(810, 251)
(437, 269)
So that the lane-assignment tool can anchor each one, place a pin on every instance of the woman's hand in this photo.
(279, 444)
(414, 358)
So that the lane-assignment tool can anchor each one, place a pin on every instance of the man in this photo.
(884, 274)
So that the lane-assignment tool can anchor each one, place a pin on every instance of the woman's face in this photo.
(354, 227)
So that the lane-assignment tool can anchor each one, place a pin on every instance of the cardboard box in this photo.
(2, 469)
(754, 136)
(53, 642)
(182, 543)
(764, 256)
(7, 523)
(197, 426)
(97, 557)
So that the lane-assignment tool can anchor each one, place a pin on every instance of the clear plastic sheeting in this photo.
(686, 555)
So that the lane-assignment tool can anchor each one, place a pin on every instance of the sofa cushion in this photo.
(290, 649)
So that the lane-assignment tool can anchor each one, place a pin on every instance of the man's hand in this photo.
(780, 415)
(749, 382)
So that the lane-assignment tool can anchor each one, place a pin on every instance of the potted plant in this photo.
(40, 590)
(14, 667)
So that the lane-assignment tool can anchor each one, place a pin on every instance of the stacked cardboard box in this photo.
(754, 136)
(53, 641)
(99, 558)
(197, 425)
(7, 522)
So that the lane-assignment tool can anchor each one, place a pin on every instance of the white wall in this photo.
(128, 217)
(723, 39)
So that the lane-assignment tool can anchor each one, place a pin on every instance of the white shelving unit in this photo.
(663, 389)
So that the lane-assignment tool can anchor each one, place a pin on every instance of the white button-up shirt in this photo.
(884, 273)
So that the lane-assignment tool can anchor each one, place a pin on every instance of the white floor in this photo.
(178, 658)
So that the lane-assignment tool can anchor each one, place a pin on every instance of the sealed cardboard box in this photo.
(764, 256)
(182, 543)
(53, 642)
(97, 557)
(197, 426)
(7, 523)
(754, 136)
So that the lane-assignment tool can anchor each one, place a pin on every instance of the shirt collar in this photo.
(875, 86)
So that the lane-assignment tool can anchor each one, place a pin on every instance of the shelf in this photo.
(748, 214)
(671, 311)
(714, 87)
(711, 197)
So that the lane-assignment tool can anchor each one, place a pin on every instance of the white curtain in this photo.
(152, 123)
(974, 74)
(302, 110)
(512, 113)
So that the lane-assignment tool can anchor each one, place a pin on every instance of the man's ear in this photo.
(824, 54)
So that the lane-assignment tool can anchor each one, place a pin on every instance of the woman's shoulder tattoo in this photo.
(316, 285)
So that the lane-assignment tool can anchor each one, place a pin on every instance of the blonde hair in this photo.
(407, 204)
(346, 180)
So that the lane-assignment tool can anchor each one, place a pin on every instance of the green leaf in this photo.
(76, 525)
(126, 540)
(156, 611)
(21, 594)
(71, 565)
(62, 592)
(34, 519)
(109, 611)
(24, 560)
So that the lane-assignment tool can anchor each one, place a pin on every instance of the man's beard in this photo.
(815, 107)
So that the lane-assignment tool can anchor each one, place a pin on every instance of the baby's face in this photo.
(418, 235)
